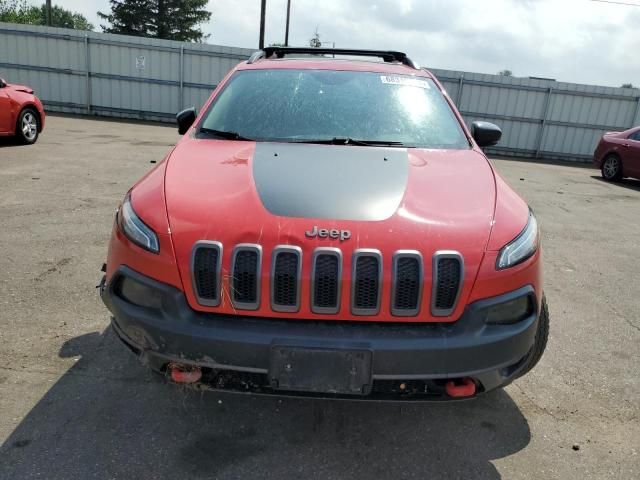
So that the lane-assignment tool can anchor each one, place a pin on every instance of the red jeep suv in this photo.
(329, 227)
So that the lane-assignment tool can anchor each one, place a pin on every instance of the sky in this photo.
(579, 41)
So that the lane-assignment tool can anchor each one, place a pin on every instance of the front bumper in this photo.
(235, 351)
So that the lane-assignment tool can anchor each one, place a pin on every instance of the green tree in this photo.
(64, 18)
(179, 20)
(128, 17)
(506, 73)
(626, 85)
(19, 11)
(167, 19)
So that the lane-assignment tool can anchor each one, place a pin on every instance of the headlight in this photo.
(522, 247)
(135, 229)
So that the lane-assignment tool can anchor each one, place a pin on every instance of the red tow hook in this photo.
(464, 387)
(185, 373)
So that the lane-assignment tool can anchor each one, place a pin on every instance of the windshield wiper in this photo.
(224, 134)
(351, 141)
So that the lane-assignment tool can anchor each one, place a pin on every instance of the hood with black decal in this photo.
(237, 192)
(270, 194)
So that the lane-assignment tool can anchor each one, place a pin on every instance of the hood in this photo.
(212, 185)
(19, 88)
(271, 194)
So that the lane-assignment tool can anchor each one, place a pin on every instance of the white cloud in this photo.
(571, 40)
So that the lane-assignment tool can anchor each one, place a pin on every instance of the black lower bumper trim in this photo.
(491, 354)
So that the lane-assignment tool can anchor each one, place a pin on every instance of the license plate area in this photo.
(320, 370)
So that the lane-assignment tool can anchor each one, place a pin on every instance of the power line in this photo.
(617, 3)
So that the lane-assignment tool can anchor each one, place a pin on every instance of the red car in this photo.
(329, 227)
(21, 113)
(618, 154)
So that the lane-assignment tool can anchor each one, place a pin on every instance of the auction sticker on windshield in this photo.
(405, 81)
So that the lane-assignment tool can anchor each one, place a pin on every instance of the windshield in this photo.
(333, 106)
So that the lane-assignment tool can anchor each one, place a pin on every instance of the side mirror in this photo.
(185, 119)
(485, 134)
(2, 83)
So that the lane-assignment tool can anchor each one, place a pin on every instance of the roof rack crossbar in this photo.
(386, 55)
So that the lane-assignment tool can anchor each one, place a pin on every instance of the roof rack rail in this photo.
(386, 55)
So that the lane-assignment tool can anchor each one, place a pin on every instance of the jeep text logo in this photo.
(324, 233)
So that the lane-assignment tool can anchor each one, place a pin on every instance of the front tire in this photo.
(540, 342)
(612, 168)
(28, 126)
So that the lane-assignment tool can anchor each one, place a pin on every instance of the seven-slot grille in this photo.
(407, 279)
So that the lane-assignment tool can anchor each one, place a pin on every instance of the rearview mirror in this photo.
(185, 119)
(485, 134)
(2, 83)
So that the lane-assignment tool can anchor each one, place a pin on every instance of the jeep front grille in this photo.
(448, 273)
(407, 283)
(285, 279)
(366, 282)
(245, 276)
(205, 270)
(326, 280)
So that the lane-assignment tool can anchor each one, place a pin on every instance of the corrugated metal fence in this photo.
(115, 75)
(543, 118)
(132, 77)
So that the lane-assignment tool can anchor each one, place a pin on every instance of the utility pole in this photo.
(48, 13)
(263, 7)
(286, 32)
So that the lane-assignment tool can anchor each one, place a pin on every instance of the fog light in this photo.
(137, 293)
(509, 312)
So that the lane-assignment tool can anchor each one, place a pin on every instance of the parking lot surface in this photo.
(74, 403)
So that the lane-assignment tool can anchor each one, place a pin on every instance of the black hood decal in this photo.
(330, 181)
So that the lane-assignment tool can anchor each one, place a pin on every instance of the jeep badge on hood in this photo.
(324, 233)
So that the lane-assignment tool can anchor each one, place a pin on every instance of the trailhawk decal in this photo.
(330, 181)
